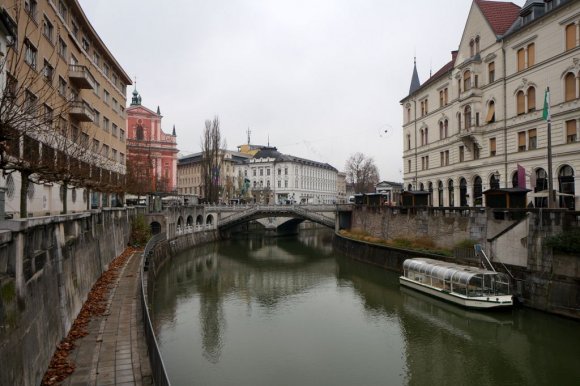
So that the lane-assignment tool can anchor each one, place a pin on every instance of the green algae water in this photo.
(290, 311)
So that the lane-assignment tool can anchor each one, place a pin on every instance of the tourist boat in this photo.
(463, 285)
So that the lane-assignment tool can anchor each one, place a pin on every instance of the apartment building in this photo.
(477, 123)
(69, 92)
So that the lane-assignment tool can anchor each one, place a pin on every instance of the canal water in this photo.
(291, 311)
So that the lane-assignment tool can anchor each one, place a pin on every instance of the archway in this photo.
(155, 228)
(477, 191)
(189, 220)
(566, 187)
(199, 220)
(440, 193)
(493, 182)
(451, 193)
(430, 187)
(541, 186)
(180, 221)
(462, 192)
(209, 220)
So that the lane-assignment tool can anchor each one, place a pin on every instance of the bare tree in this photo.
(362, 173)
(29, 101)
(213, 152)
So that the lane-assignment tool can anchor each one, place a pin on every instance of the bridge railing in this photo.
(158, 371)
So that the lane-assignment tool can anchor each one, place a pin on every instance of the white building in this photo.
(469, 126)
(279, 178)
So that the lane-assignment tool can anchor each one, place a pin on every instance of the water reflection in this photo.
(290, 311)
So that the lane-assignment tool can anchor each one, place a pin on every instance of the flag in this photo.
(521, 177)
(546, 112)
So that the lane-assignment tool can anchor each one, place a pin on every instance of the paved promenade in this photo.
(115, 351)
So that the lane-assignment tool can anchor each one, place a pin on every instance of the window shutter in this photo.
(571, 127)
(522, 139)
(490, 113)
(521, 59)
(531, 99)
(570, 86)
(570, 36)
(531, 54)
(492, 145)
(521, 103)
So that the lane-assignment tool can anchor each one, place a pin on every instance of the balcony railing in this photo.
(81, 77)
(81, 111)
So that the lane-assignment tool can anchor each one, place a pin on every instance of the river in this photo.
(291, 311)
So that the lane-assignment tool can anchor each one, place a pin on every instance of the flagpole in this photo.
(546, 115)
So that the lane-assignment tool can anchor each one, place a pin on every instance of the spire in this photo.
(136, 100)
(159, 111)
(415, 84)
(173, 125)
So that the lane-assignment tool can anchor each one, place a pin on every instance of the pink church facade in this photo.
(147, 140)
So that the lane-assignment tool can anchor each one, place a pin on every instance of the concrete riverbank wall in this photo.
(48, 265)
(515, 242)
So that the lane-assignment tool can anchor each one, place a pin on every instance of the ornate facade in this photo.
(476, 124)
(152, 154)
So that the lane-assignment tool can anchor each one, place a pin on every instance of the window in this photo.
(408, 114)
(471, 47)
(492, 148)
(409, 166)
(531, 99)
(532, 139)
(97, 118)
(61, 86)
(441, 98)
(279, 183)
(96, 57)
(105, 151)
(571, 41)
(422, 108)
(461, 154)
(491, 72)
(106, 96)
(62, 10)
(569, 87)
(114, 155)
(96, 89)
(47, 71)
(446, 128)
(446, 95)
(451, 193)
(30, 8)
(477, 44)
(30, 53)
(30, 102)
(521, 102)
(408, 141)
(106, 69)
(441, 130)
(466, 80)
(115, 105)
(47, 115)
(48, 29)
(467, 113)
(261, 172)
(571, 131)
(106, 124)
(86, 45)
(62, 49)
(531, 55)
(286, 183)
(268, 171)
(475, 151)
(521, 59)
(96, 145)
(114, 130)
(522, 141)
(122, 135)
(286, 171)
(490, 112)
(279, 171)
(427, 162)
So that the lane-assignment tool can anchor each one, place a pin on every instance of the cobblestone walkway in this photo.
(115, 351)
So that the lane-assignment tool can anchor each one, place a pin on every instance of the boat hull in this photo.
(494, 302)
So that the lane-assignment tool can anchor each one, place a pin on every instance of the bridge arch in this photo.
(155, 228)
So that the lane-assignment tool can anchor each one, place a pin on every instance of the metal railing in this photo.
(158, 372)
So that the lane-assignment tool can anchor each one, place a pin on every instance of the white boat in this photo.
(460, 284)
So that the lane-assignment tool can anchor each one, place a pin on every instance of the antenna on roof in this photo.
(268, 140)
(248, 132)
(430, 67)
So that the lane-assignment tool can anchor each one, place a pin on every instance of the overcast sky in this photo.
(322, 79)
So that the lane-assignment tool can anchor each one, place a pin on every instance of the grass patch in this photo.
(421, 244)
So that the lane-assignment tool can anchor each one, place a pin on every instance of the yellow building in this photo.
(57, 63)
(477, 123)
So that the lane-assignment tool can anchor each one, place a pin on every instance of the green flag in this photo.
(546, 113)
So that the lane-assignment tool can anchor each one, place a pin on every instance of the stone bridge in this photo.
(176, 220)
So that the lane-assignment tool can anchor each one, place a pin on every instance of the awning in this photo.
(490, 113)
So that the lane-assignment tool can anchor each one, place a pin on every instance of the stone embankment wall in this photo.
(542, 279)
(47, 267)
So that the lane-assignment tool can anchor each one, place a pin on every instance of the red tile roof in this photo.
(500, 15)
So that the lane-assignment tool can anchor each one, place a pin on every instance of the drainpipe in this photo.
(415, 124)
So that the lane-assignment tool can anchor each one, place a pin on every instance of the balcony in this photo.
(471, 135)
(81, 77)
(81, 111)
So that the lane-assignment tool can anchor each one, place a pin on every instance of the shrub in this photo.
(140, 231)
(465, 244)
(566, 242)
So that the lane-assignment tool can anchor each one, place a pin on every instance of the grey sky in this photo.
(321, 78)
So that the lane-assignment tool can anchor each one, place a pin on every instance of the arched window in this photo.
(441, 130)
(422, 137)
(451, 195)
(466, 80)
(515, 180)
(139, 133)
(570, 36)
(459, 121)
(421, 187)
(493, 182)
(446, 126)
(471, 47)
(477, 44)
(521, 102)
(440, 193)
(569, 87)
(462, 192)
(409, 187)
(566, 182)
(426, 133)
(490, 112)
(477, 191)
(541, 185)
(531, 99)
(430, 187)
(467, 113)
